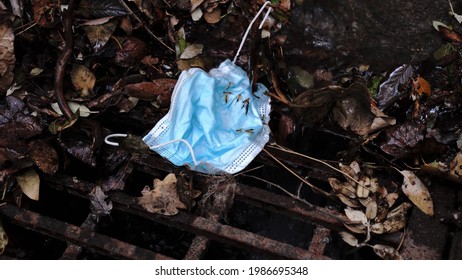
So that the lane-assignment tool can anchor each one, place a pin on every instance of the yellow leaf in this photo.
(82, 79)
(417, 192)
(29, 181)
(421, 86)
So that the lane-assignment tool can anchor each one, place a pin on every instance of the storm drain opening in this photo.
(244, 218)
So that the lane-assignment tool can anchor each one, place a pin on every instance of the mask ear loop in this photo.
(107, 141)
(250, 27)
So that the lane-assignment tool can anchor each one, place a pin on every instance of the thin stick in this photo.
(145, 27)
(63, 59)
(326, 194)
(280, 188)
(284, 149)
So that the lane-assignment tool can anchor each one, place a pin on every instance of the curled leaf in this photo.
(164, 198)
(416, 191)
(44, 156)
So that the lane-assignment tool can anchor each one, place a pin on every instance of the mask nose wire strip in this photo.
(250, 27)
(107, 141)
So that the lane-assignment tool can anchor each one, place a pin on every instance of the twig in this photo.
(67, 18)
(127, 8)
(284, 149)
(280, 188)
(318, 190)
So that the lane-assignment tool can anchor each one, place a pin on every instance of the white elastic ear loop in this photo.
(250, 27)
(107, 141)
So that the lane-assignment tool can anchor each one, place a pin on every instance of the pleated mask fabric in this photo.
(222, 125)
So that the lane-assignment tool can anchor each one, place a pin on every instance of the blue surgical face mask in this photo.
(215, 123)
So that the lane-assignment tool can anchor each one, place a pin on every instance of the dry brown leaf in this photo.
(348, 202)
(391, 198)
(356, 228)
(3, 239)
(192, 51)
(159, 90)
(349, 238)
(417, 192)
(344, 188)
(44, 156)
(377, 228)
(164, 198)
(82, 79)
(455, 167)
(29, 181)
(371, 210)
(213, 16)
(396, 219)
(386, 252)
(362, 192)
(7, 57)
(98, 205)
(356, 216)
(99, 34)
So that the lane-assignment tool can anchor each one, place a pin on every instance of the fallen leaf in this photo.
(29, 181)
(3, 239)
(356, 228)
(16, 122)
(349, 238)
(421, 86)
(455, 167)
(371, 209)
(415, 190)
(100, 8)
(353, 203)
(82, 79)
(163, 199)
(197, 14)
(82, 109)
(213, 16)
(195, 4)
(391, 198)
(344, 188)
(98, 204)
(387, 252)
(192, 51)
(44, 12)
(389, 90)
(133, 50)
(44, 156)
(356, 216)
(396, 219)
(377, 228)
(7, 55)
(99, 35)
(159, 90)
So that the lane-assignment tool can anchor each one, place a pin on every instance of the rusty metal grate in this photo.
(204, 230)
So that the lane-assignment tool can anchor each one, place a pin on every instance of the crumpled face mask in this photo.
(215, 124)
(222, 125)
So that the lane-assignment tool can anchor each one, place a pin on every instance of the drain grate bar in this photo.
(81, 237)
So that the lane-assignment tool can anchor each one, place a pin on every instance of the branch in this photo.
(67, 18)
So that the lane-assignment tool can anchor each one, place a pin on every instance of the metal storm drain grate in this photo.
(254, 221)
